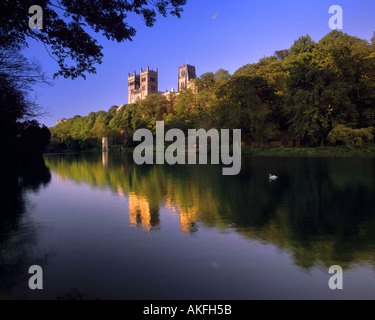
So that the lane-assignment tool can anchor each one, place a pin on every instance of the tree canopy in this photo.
(66, 25)
(330, 83)
(314, 92)
(20, 134)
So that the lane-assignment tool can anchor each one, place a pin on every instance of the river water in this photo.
(102, 227)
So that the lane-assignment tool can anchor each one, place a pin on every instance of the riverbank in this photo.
(340, 151)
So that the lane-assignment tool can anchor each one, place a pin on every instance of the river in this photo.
(102, 227)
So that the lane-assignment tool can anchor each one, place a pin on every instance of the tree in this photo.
(206, 80)
(64, 22)
(121, 119)
(307, 113)
(18, 136)
(330, 83)
(305, 91)
(240, 107)
(112, 111)
(352, 78)
(186, 107)
(15, 107)
(82, 133)
(350, 137)
(271, 69)
(22, 72)
(153, 108)
(116, 138)
(281, 54)
(222, 74)
(100, 127)
(17, 76)
(33, 138)
(373, 43)
(270, 78)
(303, 45)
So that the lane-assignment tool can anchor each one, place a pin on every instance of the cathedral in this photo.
(146, 83)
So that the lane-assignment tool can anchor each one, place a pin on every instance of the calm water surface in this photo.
(102, 227)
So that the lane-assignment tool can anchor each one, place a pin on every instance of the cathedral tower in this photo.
(142, 85)
(185, 74)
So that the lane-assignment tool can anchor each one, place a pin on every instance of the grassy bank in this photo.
(341, 151)
(311, 152)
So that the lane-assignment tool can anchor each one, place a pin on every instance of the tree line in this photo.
(21, 134)
(318, 93)
(67, 41)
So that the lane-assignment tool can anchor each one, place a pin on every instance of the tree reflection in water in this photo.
(18, 238)
(319, 209)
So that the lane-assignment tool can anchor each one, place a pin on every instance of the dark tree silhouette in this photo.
(19, 133)
(65, 23)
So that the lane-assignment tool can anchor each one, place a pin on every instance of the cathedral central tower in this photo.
(185, 74)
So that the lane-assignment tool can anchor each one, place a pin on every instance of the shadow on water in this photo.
(321, 210)
(17, 238)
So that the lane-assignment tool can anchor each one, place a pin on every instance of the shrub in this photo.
(350, 137)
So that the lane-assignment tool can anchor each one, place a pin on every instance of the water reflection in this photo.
(105, 155)
(319, 209)
(18, 235)
(141, 214)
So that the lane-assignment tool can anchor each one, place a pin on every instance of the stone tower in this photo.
(142, 85)
(185, 74)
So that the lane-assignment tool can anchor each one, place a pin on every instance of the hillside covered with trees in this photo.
(68, 42)
(317, 93)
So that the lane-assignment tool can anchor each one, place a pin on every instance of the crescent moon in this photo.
(215, 15)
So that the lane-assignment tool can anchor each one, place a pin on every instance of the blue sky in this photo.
(243, 32)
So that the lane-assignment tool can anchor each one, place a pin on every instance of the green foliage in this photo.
(122, 120)
(272, 69)
(243, 105)
(303, 93)
(330, 83)
(66, 32)
(350, 137)
(222, 74)
(205, 81)
(270, 78)
(80, 133)
(185, 110)
(116, 138)
(112, 111)
(303, 45)
(321, 152)
(307, 114)
(153, 108)
(99, 129)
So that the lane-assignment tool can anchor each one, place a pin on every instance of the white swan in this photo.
(272, 177)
